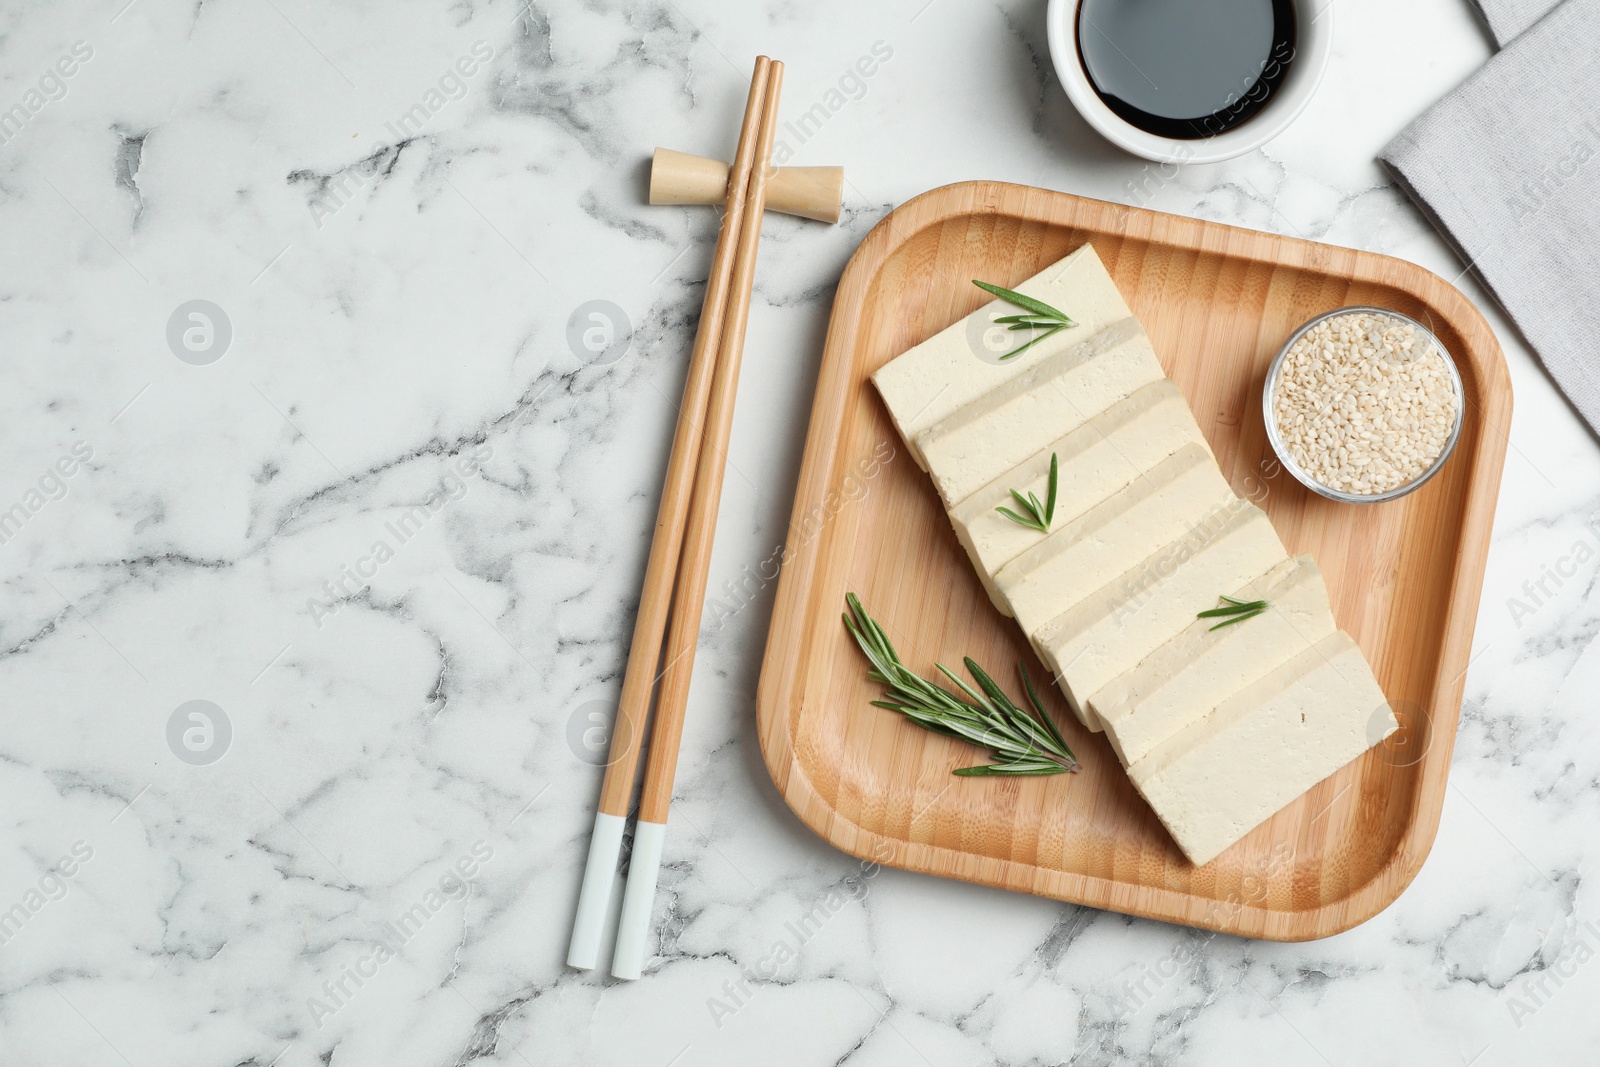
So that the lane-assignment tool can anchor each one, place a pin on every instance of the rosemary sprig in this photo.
(1041, 316)
(1023, 743)
(1239, 610)
(1035, 516)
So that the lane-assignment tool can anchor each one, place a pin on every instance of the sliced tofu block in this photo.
(1137, 612)
(956, 366)
(972, 447)
(1079, 557)
(1185, 679)
(1220, 778)
(1093, 461)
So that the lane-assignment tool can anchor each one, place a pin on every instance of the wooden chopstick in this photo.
(689, 600)
(616, 791)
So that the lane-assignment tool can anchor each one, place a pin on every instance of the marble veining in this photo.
(313, 590)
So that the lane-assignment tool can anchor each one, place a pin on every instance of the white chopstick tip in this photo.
(594, 898)
(638, 900)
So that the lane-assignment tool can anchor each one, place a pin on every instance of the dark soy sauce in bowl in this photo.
(1186, 69)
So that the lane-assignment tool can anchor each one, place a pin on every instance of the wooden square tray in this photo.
(1404, 576)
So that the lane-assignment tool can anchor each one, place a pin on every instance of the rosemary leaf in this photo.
(1020, 520)
(1237, 618)
(1233, 607)
(1034, 515)
(1042, 337)
(1014, 769)
(1026, 303)
(1024, 741)
(1040, 316)
(1050, 493)
(1233, 611)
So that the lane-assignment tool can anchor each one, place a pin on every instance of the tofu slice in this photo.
(945, 372)
(972, 447)
(1137, 612)
(1076, 559)
(1220, 778)
(1181, 682)
(1093, 461)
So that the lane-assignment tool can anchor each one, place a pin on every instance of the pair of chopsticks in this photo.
(680, 557)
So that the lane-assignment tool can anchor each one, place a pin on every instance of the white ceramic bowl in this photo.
(1314, 42)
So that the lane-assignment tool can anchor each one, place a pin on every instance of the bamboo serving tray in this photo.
(1404, 576)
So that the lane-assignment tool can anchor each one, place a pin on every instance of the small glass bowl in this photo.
(1287, 458)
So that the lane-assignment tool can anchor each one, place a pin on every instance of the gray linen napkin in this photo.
(1508, 18)
(1508, 168)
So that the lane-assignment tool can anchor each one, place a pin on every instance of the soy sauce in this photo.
(1186, 68)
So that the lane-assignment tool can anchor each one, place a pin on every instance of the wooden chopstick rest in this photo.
(809, 192)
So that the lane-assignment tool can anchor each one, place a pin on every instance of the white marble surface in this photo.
(399, 314)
